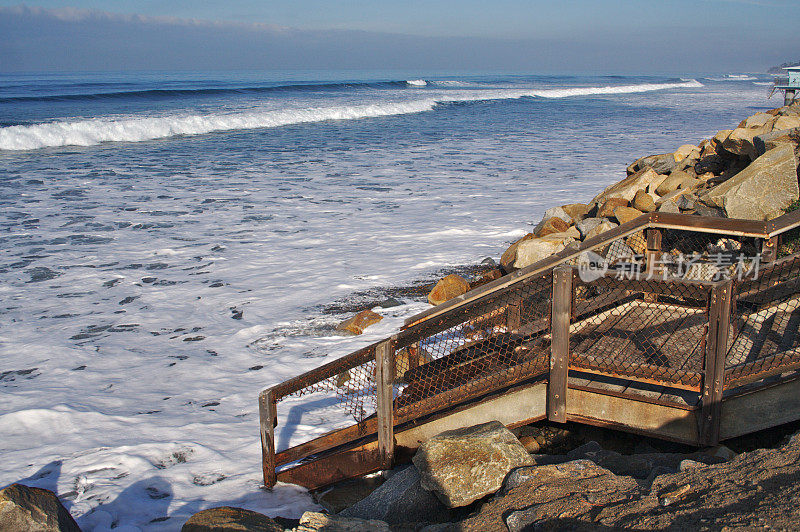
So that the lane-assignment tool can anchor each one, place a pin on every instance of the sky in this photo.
(624, 36)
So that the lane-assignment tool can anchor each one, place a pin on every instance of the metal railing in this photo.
(541, 322)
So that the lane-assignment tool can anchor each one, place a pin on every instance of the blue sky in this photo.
(568, 35)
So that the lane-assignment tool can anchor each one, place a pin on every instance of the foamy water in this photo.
(167, 255)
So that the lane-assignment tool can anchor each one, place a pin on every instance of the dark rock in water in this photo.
(25, 509)
(40, 273)
(401, 499)
(390, 302)
(230, 519)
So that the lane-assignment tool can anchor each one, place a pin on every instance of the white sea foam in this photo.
(417, 82)
(734, 77)
(143, 128)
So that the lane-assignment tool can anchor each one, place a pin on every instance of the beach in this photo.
(187, 254)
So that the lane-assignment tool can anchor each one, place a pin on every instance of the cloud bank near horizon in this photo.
(70, 39)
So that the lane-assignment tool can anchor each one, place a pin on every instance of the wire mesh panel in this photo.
(764, 337)
(347, 386)
(634, 328)
(492, 344)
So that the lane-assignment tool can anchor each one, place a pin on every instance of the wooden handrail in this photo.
(654, 220)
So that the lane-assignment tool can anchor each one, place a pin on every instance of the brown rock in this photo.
(600, 229)
(644, 202)
(786, 122)
(360, 321)
(230, 519)
(674, 181)
(510, 254)
(319, 522)
(552, 225)
(628, 187)
(606, 210)
(486, 276)
(461, 466)
(626, 214)
(26, 509)
(446, 289)
(684, 151)
(536, 249)
(577, 211)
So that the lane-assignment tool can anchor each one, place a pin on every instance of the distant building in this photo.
(789, 84)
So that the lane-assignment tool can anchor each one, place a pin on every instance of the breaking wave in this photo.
(88, 132)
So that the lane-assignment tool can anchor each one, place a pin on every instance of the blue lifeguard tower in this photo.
(789, 84)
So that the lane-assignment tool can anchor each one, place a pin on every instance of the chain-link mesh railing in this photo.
(494, 343)
(648, 330)
(764, 337)
(641, 315)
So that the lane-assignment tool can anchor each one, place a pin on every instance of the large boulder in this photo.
(606, 209)
(550, 226)
(786, 122)
(684, 151)
(401, 499)
(677, 179)
(359, 322)
(26, 509)
(576, 211)
(319, 522)
(740, 141)
(768, 141)
(447, 288)
(230, 519)
(554, 212)
(626, 214)
(585, 226)
(643, 201)
(461, 466)
(536, 249)
(762, 190)
(662, 164)
(599, 229)
(510, 254)
(628, 187)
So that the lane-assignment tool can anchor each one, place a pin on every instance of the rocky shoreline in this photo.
(489, 478)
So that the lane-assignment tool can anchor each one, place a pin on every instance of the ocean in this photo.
(173, 243)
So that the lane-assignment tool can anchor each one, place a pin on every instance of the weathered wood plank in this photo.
(520, 406)
(624, 413)
(267, 416)
(760, 409)
(559, 344)
(384, 377)
(714, 373)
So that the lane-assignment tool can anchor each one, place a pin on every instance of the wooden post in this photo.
(268, 419)
(719, 320)
(384, 376)
(769, 250)
(559, 344)
(653, 253)
(513, 317)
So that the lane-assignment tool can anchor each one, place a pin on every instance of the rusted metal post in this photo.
(559, 344)
(384, 376)
(719, 319)
(769, 250)
(513, 317)
(268, 419)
